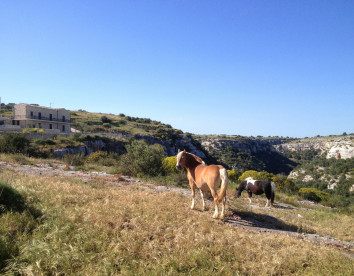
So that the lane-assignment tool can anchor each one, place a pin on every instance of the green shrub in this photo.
(104, 120)
(142, 158)
(14, 143)
(169, 164)
(44, 142)
(74, 159)
(96, 156)
(313, 194)
(263, 175)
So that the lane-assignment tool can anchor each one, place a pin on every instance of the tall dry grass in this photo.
(104, 229)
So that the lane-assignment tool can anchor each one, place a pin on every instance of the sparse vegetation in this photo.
(98, 122)
(103, 229)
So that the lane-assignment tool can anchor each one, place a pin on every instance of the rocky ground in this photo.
(264, 224)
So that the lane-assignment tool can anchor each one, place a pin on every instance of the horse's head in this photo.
(186, 159)
(240, 188)
(181, 159)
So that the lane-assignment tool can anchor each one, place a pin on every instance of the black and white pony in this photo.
(257, 187)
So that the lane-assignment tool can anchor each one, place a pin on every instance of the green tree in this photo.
(142, 158)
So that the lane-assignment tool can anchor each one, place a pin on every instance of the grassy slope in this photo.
(100, 229)
(91, 122)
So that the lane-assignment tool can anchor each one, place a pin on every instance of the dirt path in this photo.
(258, 224)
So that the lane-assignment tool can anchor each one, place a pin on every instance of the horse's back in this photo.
(260, 187)
(208, 174)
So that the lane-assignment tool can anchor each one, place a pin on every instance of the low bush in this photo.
(44, 142)
(96, 156)
(313, 194)
(18, 143)
(142, 158)
(234, 175)
(74, 159)
(169, 165)
(263, 175)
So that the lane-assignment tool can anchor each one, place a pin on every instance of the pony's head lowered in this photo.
(185, 159)
(241, 187)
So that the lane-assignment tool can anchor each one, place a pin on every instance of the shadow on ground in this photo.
(260, 222)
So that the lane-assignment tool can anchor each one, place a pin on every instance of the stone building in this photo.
(54, 120)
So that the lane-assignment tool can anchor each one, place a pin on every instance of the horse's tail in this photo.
(273, 192)
(224, 180)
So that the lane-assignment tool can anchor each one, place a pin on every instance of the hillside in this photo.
(110, 123)
(246, 153)
(71, 222)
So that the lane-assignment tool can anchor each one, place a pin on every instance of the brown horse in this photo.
(205, 178)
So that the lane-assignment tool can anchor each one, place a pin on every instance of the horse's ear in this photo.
(184, 150)
(179, 150)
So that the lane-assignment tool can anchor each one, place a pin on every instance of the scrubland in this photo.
(71, 227)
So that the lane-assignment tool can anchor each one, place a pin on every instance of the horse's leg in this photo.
(202, 196)
(250, 197)
(216, 201)
(267, 204)
(269, 196)
(272, 198)
(223, 207)
(193, 193)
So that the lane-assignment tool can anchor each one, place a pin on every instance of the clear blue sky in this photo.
(208, 67)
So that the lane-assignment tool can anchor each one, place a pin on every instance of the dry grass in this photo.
(130, 230)
(307, 219)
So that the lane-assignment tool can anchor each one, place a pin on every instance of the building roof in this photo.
(45, 107)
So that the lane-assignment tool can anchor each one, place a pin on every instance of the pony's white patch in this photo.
(273, 186)
(251, 181)
(249, 178)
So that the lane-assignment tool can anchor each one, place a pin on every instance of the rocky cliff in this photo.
(245, 153)
(332, 146)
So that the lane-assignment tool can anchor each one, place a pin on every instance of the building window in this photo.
(50, 117)
(50, 126)
(31, 114)
(63, 118)
(63, 128)
(39, 115)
